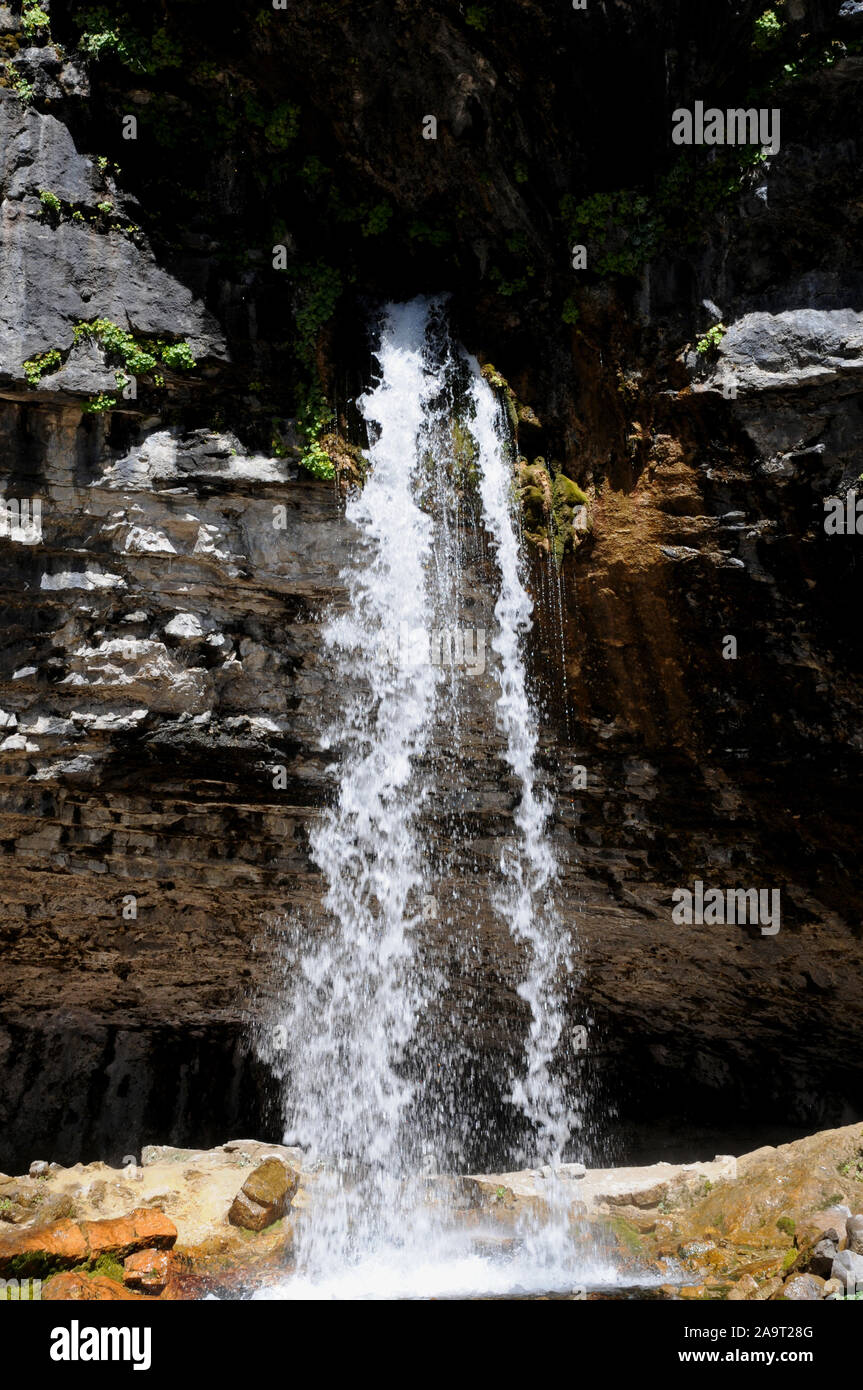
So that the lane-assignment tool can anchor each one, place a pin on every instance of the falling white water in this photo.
(526, 901)
(362, 988)
(355, 1008)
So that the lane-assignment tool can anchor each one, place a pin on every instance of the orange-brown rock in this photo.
(64, 1244)
(57, 1246)
(265, 1196)
(79, 1287)
(146, 1228)
(147, 1270)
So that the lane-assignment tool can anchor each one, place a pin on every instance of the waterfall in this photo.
(363, 985)
(526, 901)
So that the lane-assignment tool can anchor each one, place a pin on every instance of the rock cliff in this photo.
(175, 402)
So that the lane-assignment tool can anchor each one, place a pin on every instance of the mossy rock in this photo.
(627, 1235)
(567, 493)
(527, 417)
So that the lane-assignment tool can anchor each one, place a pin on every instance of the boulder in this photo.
(848, 1267)
(147, 1270)
(144, 1229)
(823, 1254)
(745, 1289)
(265, 1195)
(64, 1244)
(802, 1288)
(768, 1289)
(79, 1287)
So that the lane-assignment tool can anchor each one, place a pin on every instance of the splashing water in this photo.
(369, 1228)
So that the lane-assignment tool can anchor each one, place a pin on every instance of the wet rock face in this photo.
(162, 686)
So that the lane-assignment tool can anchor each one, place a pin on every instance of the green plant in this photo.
(179, 356)
(786, 1225)
(138, 356)
(313, 417)
(105, 208)
(623, 226)
(97, 404)
(570, 313)
(711, 340)
(426, 234)
(377, 220)
(768, 31)
(33, 17)
(320, 286)
(41, 365)
(477, 16)
(105, 35)
(51, 204)
(507, 287)
(23, 89)
(282, 126)
(852, 1170)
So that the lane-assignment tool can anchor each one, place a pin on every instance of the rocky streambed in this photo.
(776, 1224)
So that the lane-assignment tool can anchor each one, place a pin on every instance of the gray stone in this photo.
(52, 277)
(803, 1288)
(854, 1232)
(848, 1267)
(789, 350)
(165, 1153)
(824, 1253)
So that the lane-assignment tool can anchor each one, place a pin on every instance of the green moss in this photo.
(627, 1235)
(565, 497)
(834, 1200)
(786, 1225)
(34, 1264)
(478, 16)
(107, 1265)
(569, 494)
